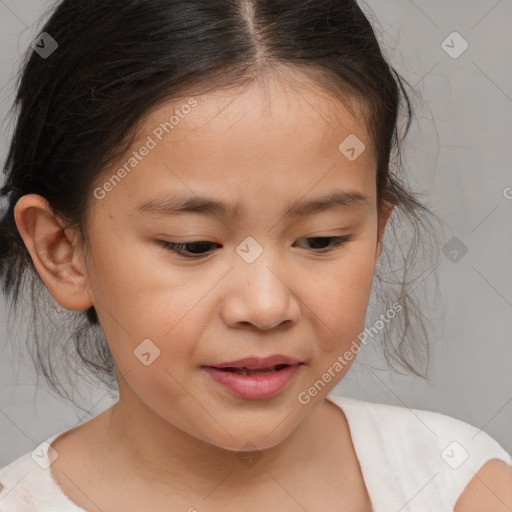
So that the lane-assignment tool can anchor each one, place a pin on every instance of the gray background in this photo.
(459, 155)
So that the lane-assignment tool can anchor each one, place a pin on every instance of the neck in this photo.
(161, 453)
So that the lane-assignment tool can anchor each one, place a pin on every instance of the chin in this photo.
(247, 444)
(246, 437)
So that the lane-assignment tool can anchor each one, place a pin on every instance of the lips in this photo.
(255, 378)
(247, 371)
(270, 363)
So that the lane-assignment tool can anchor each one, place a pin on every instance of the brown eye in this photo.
(325, 246)
(188, 249)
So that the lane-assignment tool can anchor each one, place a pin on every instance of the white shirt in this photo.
(411, 460)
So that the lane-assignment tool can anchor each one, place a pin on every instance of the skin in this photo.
(174, 430)
(490, 489)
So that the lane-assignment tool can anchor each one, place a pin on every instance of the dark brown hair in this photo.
(117, 60)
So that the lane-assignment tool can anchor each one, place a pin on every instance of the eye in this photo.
(199, 249)
(181, 248)
(336, 241)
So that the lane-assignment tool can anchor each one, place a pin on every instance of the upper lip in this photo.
(257, 363)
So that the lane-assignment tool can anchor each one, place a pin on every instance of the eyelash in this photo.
(179, 247)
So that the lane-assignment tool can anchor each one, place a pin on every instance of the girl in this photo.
(209, 183)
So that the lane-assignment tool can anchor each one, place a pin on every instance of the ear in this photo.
(384, 214)
(57, 258)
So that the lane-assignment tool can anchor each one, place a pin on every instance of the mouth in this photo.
(268, 364)
(251, 372)
(253, 383)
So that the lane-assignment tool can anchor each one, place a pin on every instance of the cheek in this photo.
(137, 302)
(339, 300)
(137, 286)
(161, 321)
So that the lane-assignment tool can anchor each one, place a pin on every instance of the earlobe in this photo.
(53, 253)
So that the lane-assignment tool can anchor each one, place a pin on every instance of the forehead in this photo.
(276, 139)
(284, 105)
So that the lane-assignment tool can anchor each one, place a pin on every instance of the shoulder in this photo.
(458, 441)
(409, 424)
(15, 493)
(25, 483)
(437, 453)
(490, 489)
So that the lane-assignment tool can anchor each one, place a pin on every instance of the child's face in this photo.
(294, 299)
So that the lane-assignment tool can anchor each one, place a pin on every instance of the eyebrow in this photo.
(176, 205)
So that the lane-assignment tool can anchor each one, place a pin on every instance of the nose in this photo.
(260, 296)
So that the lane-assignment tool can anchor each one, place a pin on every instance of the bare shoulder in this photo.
(490, 489)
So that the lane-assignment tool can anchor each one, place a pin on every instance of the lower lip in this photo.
(254, 387)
